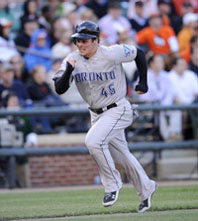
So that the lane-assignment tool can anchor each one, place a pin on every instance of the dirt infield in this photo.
(159, 183)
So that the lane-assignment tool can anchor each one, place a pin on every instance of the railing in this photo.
(49, 111)
(155, 146)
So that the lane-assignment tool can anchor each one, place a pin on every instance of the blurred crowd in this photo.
(35, 37)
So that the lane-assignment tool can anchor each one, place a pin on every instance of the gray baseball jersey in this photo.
(101, 79)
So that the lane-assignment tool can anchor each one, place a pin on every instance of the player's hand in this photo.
(72, 62)
(141, 88)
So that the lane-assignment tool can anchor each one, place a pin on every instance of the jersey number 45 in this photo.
(108, 90)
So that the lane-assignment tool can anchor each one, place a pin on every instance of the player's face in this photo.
(87, 47)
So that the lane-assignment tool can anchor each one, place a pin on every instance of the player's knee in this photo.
(91, 143)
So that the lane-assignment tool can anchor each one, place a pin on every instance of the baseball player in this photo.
(100, 79)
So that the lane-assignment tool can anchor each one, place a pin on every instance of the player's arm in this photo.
(141, 64)
(62, 83)
(126, 53)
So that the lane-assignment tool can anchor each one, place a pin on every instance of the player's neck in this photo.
(91, 53)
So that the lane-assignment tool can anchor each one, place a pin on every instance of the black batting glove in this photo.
(141, 87)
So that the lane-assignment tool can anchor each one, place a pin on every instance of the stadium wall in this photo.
(61, 170)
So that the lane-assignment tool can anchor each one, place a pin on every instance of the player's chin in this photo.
(83, 52)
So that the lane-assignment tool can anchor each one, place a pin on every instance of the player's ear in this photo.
(95, 39)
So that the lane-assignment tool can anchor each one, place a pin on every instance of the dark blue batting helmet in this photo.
(86, 30)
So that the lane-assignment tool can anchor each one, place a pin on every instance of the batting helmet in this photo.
(85, 30)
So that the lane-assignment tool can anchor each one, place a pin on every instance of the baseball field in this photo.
(176, 202)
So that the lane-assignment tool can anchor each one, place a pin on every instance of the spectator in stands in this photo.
(72, 97)
(56, 6)
(164, 9)
(8, 83)
(138, 21)
(193, 65)
(23, 38)
(39, 52)
(58, 25)
(186, 89)
(177, 19)
(46, 17)
(24, 125)
(98, 6)
(5, 11)
(150, 7)
(42, 95)
(161, 91)
(12, 11)
(50, 74)
(113, 22)
(184, 82)
(167, 11)
(20, 72)
(186, 7)
(63, 47)
(72, 17)
(186, 53)
(11, 102)
(7, 45)
(190, 28)
(69, 7)
(159, 38)
(40, 91)
(125, 38)
(30, 9)
(190, 6)
(37, 87)
(88, 15)
(158, 82)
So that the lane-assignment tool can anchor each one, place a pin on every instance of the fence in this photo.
(72, 111)
(155, 147)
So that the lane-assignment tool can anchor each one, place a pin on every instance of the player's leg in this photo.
(97, 140)
(105, 128)
(98, 148)
(145, 187)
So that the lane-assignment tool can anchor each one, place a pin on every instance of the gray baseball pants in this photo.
(107, 144)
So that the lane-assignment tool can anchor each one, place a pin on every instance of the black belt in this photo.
(101, 110)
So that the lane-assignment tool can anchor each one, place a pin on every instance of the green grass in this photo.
(181, 201)
(173, 215)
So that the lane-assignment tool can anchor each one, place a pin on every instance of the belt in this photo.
(101, 110)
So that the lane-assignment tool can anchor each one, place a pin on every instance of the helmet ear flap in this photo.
(74, 40)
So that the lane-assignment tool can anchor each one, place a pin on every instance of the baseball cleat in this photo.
(146, 204)
(110, 198)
